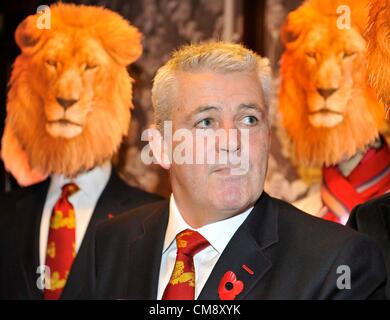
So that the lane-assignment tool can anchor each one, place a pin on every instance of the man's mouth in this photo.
(223, 170)
(228, 171)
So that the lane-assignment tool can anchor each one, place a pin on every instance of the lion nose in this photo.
(66, 103)
(326, 92)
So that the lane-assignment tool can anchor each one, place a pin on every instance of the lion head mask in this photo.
(378, 37)
(328, 108)
(70, 93)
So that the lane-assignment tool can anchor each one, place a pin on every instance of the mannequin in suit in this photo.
(20, 225)
(68, 133)
(220, 236)
(373, 217)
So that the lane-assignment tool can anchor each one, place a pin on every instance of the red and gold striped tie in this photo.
(61, 244)
(181, 286)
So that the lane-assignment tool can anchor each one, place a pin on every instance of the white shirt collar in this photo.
(90, 183)
(211, 232)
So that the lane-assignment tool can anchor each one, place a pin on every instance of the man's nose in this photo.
(230, 148)
(231, 140)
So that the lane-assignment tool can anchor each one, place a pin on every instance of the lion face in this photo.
(329, 72)
(378, 35)
(328, 109)
(70, 74)
(70, 93)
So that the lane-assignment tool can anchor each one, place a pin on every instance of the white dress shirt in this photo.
(218, 234)
(91, 185)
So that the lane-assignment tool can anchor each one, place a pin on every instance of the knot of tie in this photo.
(69, 189)
(190, 242)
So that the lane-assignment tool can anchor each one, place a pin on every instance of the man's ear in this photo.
(28, 36)
(159, 147)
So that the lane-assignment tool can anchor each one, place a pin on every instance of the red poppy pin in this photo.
(229, 286)
(110, 216)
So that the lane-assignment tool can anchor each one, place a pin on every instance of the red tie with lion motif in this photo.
(181, 286)
(61, 244)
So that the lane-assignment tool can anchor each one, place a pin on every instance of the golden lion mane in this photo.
(70, 93)
(378, 37)
(327, 106)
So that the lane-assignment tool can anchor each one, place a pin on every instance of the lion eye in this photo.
(311, 54)
(90, 66)
(51, 63)
(348, 54)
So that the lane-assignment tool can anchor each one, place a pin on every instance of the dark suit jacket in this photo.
(20, 217)
(373, 219)
(292, 254)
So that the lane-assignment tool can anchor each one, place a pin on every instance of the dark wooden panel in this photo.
(254, 24)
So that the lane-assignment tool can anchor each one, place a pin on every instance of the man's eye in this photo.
(204, 123)
(250, 120)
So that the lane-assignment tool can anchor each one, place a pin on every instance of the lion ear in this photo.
(28, 35)
(290, 32)
(123, 44)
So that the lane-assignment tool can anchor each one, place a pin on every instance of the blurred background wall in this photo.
(167, 24)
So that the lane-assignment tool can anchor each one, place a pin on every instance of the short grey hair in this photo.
(213, 56)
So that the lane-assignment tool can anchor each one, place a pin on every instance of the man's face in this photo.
(224, 102)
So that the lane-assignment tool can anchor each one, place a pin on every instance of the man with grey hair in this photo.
(220, 236)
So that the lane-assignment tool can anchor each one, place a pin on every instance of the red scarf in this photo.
(371, 178)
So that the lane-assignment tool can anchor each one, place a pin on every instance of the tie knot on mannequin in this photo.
(69, 189)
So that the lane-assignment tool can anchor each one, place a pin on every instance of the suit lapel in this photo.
(111, 202)
(29, 209)
(112, 199)
(244, 254)
(252, 258)
(145, 257)
(384, 207)
(385, 210)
